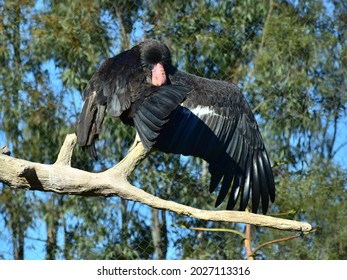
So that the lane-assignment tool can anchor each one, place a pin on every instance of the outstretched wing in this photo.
(245, 166)
(217, 124)
(248, 173)
(110, 88)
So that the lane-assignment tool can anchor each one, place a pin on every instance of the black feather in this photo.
(227, 180)
(255, 184)
(150, 120)
(152, 112)
(245, 192)
(216, 177)
(89, 125)
(269, 174)
(235, 191)
(190, 115)
(263, 185)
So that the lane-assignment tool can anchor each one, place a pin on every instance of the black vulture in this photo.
(177, 112)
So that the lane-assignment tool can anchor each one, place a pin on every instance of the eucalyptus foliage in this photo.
(289, 59)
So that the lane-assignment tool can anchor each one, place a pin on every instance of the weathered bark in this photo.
(61, 178)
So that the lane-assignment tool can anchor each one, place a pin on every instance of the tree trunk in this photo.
(156, 234)
(52, 224)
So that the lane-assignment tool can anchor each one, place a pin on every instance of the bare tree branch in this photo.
(65, 153)
(61, 178)
(248, 242)
(274, 242)
(5, 150)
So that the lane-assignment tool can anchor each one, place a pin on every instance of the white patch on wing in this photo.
(216, 122)
(201, 111)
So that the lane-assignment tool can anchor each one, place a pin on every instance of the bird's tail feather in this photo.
(90, 121)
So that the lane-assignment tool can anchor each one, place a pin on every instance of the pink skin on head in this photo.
(158, 75)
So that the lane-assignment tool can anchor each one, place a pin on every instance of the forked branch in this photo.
(61, 178)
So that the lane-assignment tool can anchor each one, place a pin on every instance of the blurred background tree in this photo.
(289, 59)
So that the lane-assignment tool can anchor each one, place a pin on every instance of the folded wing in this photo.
(153, 110)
